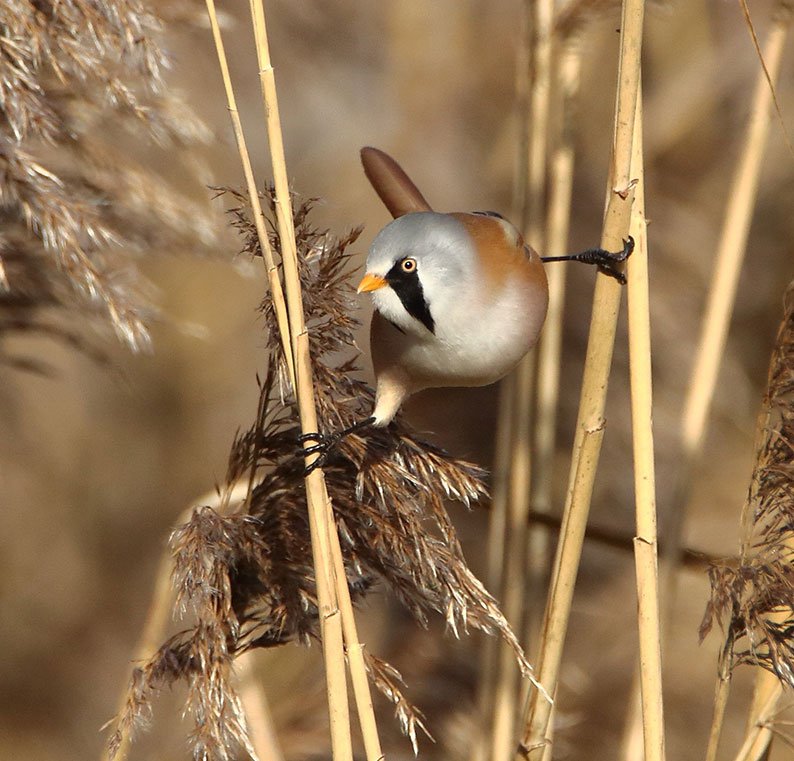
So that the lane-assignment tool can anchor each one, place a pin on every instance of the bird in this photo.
(460, 298)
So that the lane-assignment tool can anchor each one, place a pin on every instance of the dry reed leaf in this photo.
(783, 11)
(248, 578)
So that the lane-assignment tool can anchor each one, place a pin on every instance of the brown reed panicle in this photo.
(753, 600)
(248, 577)
(75, 76)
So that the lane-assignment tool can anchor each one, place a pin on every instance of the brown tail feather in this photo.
(391, 183)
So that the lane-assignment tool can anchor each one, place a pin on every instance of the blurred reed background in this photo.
(100, 456)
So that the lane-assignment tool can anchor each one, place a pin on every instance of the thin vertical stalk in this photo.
(512, 588)
(557, 226)
(721, 694)
(320, 518)
(279, 304)
(537, 45)
(550, 346)
(355, 657)
(497, 526)
(590, 422)
(355, 650)
(645, 542)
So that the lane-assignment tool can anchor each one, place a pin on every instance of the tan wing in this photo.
(391, 183)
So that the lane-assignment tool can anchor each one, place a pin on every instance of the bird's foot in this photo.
(325, 443)
(606, 261)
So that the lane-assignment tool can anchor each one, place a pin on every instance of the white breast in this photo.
(476, 342)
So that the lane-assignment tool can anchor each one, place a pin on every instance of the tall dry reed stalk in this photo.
(534, 81)
(590, 422)
(248, 172)
(561, 164)
(485, 728)
(296, 353)
(645, 541)
(340, 602)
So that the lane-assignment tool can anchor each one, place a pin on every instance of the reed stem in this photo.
(731, 248)
(536, 47)
(721, 694)
(355, 650)
(645, 542)
(276, 290)
(497, 533)
(513, 588)
(320, 516)
(590, 422)
(557, 227)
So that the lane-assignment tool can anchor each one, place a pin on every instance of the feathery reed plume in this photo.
(71, 74)
(248, 576)
(753, 600)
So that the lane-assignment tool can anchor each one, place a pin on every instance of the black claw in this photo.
(628, 247)
(314, 449)
(612, 272)
(311, 467)
(326, 443)
(607, 258)
(304, 437)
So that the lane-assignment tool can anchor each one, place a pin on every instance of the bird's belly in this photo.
(473, 350)
(482, 360)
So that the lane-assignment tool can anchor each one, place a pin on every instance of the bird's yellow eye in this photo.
(409, 265)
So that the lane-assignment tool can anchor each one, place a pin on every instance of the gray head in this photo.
(416, 267)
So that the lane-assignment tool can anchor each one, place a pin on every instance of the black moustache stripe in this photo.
(409, 290)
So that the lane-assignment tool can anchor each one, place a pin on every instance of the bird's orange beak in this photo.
(371, 283)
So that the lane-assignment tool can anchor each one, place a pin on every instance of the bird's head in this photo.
(419, 265)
